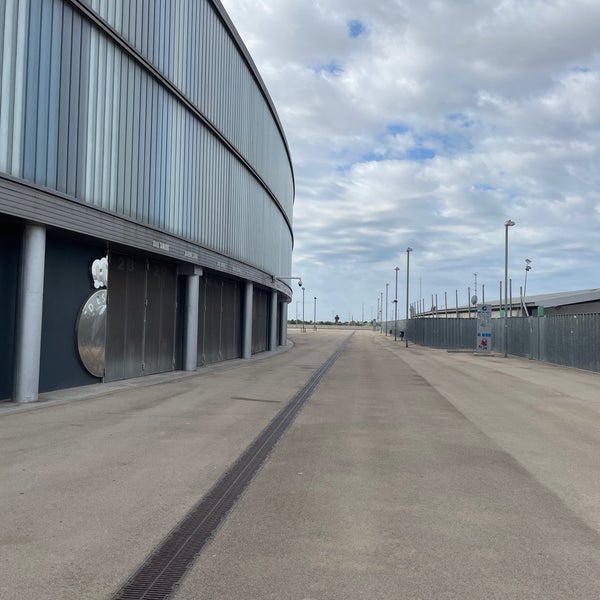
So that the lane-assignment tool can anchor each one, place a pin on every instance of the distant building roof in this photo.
(546, 300)
(564, 298)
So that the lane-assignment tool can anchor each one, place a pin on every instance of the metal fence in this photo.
(569, 340)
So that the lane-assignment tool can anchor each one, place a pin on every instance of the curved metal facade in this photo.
(137, 134)
(150, 110)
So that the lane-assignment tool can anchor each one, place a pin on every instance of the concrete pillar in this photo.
(283, 326)
(29, 319)
(190, 335)
(273, 324)
(192, 274)
(247, 335)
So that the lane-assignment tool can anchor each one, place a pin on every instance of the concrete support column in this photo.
(247, 336)
(283, 325)
(273, 324)
(29, 319)
(190, 335)
(192, 274)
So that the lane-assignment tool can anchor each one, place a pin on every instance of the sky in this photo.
(428, 124)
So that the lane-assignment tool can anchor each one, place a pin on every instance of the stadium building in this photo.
(146, 194)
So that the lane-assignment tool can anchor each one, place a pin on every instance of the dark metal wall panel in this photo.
(231, 325)
(219, 320)
(159, 345)
(261, 311)
(278, 324)
(125, 323)
(142, 333)
(201, 320)
(135, 316)
(180, 312)
(67, 286)
(211, 351)
(10, 250)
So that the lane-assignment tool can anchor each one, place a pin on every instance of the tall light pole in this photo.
(387, 285)
(527, 269)
(408, 251)
(524, 289)
(303, 321)
(396, 307)
(381, 313)
(508, 224)
(315, 318)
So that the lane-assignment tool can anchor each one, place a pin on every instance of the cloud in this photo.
(428, 125)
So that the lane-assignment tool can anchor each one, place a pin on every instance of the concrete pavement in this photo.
(411, 473)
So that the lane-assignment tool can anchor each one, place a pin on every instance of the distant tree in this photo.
(337, 319)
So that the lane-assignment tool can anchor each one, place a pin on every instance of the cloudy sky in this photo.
(429, 123)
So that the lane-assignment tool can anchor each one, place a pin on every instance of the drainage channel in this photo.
(157, 577)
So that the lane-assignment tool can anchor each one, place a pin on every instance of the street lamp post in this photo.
(527, 269)
(387, 285)
(508, 224)
(408, 251)
(396, 307)
(315, 317)
(381, 314)
(303, 321)
(524, 295)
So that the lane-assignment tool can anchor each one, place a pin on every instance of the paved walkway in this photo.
(411, 473)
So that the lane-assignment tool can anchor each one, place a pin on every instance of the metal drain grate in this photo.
(157, 577)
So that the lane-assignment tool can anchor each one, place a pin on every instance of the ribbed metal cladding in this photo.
(568, 340)
(149, 110)
(42, 206)
(162, 571)
(571, 340)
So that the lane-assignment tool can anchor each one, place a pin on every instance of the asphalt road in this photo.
(411, 473)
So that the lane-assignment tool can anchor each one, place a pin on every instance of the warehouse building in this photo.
(146, 194)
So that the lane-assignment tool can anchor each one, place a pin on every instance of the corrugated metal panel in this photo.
(261, 310)
(213, 311)
(231, 323)
(125, 323)
(569, 340)
(14, 25)
(101, 127)
(159, 341)
(10, 251)
(220, 320)
(40, 206)
(141, 325)
(177, 54)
